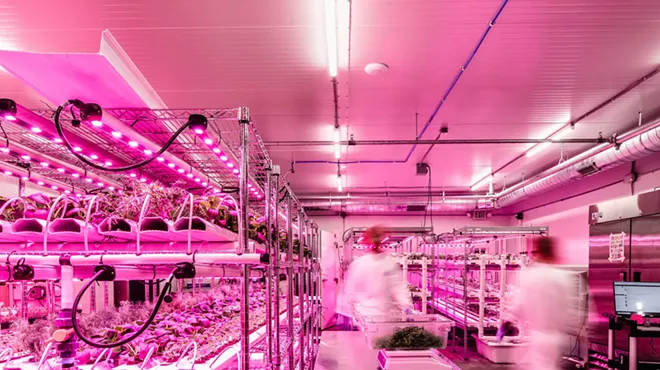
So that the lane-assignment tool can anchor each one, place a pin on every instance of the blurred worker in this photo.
(543, 307)
(374, 281)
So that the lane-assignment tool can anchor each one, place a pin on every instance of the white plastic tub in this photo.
(376, 327)
(504, 352)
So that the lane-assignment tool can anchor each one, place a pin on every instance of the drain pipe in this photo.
(634, 144)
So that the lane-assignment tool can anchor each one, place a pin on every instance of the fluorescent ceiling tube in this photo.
(331, 35)
(557, 136)
(482, 182)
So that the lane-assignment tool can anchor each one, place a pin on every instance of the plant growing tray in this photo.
(72, 230)
(202, 230)
(504, 352)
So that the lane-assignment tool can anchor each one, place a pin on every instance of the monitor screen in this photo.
(637, 298)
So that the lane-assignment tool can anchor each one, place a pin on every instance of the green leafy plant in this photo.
(412, 337)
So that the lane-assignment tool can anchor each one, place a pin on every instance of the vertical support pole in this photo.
(68, 348)
(311, 292)
(319, 287)
(269, 271)
(482, 296)
(92, 298)
(610, 342)
(425, 287)
(502, 287)
(289, 280)
(632, 350)
(276, 265)
(21, 187)
(106, 295)
(465, 300)
(24, 300)
(244, 122)
(304, 310)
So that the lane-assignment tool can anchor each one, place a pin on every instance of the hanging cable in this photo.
(93, 112)
(182, 271)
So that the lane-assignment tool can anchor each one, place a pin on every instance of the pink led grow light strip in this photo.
(44, 163)
(22, 174)
(38, 131)
(124, 138)
(57, 140)
(225, 159)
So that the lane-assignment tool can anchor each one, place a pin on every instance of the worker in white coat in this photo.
(374, 282)
(543, 308)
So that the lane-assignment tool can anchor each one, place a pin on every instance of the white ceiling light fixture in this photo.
(486, 180)
(376, 69)
(331, 35)
(340, 183)
(563, 132)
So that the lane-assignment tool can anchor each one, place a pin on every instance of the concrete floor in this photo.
(348, 350)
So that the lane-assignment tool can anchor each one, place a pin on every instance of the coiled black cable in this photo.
(76, 302)
(65, 141)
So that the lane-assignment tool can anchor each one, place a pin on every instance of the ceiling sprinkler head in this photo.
(198, 123)
(375, 69)
(8, 109)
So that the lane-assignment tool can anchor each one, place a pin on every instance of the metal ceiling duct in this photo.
(639, 143)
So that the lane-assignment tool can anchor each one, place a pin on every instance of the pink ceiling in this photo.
(543, 63)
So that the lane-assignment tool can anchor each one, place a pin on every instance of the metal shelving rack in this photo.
(234, 132)
(480, 252)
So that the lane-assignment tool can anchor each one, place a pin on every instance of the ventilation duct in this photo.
(588, 169)
(638, 143)
(393, 205)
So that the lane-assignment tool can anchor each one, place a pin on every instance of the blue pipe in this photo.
(437, 108)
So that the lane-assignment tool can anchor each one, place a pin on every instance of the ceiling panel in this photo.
(544, 63)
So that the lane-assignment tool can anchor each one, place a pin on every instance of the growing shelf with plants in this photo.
(474, 269)
(158, 240)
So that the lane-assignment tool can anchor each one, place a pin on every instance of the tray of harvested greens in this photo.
(405, 331)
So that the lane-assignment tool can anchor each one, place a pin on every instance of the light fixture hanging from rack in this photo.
(90, 112)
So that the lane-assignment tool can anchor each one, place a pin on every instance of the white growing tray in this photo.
(504, 352)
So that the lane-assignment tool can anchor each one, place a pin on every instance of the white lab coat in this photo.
(544, 304)
(375, 283)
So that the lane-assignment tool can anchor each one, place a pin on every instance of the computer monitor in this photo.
(637, 298)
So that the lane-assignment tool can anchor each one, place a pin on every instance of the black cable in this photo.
(66, 142)
(76, 302)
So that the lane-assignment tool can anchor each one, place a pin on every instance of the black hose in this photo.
(76, 302)
(66, 142)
